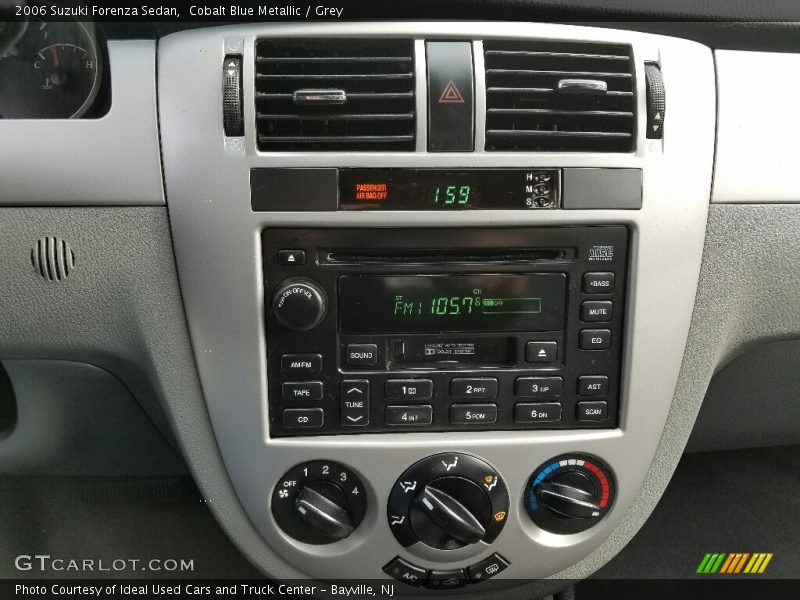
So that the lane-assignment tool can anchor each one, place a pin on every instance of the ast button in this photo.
(301, 363)
(406, 572)
(597, 310)
(592, 385)
(473, 387)
(537, 412)
(409, 389)
(362, 354)
(595, 339)
(598, 283)
(294, 418)
(354, 396)
(307, 391)
(541, 352)
(487, 568)
(592, 411)
(421, 414)
(538, 387)
(468, 414)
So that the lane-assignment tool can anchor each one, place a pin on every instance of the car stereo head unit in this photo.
(421, 330)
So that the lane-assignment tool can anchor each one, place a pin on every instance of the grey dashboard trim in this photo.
(758, 127)
(216, 238)
(113, 160)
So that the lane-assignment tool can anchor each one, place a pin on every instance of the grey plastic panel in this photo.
(602, 189)
(113, 160)
(752, 401)
(758, 127)
(217, 247)
(76, 419)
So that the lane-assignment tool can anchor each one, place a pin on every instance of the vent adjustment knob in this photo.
(656, 101)
(299, 304)
(232, 112)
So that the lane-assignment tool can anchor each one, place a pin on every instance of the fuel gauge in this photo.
(53, 72)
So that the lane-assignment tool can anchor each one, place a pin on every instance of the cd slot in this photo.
(448, 257)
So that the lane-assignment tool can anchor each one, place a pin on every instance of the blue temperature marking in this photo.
(554, 466)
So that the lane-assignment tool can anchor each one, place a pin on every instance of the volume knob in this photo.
(299, 304)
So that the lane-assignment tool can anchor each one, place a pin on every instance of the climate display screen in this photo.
(436, 189)
(452, 303)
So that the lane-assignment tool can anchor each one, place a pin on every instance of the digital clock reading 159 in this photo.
(452, 194)
(458, 303)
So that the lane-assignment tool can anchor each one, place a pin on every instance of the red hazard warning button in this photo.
(451, 94)
(451, 106)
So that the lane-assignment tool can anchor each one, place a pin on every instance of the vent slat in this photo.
(526, 112)
(553, 111)
(541, 54)
(378, 110)
(350, 139)
(331, 59)
(342, 117)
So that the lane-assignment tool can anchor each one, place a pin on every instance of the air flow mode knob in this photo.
(299, 304)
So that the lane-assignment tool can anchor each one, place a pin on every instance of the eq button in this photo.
(595, 339)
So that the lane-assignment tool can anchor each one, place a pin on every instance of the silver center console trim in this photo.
(217, 246)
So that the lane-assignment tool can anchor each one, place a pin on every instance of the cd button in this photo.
(473, 387)
(362, 354)
(538, 387)
(409, 415)
(409, 389)
(295, 418)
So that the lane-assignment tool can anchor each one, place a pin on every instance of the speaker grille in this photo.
(52, 258)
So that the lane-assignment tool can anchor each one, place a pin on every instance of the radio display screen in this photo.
(451, 303)
(446, 190)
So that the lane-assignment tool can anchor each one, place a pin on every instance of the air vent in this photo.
(559, 96)
(342, 94)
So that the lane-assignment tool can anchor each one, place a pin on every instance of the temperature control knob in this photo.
(569, 493)
(446, 502)
(299, 304)
(319, 502)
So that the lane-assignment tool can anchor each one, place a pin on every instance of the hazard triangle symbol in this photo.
(451, 94)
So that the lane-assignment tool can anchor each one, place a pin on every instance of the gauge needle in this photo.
(55, 56)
